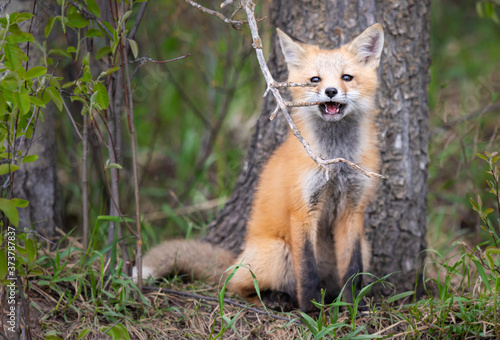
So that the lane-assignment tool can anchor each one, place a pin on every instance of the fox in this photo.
(305, 232)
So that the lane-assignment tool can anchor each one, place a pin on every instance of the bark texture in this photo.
(396, 220)
(37, 182)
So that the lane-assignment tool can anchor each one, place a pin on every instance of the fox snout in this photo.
(331, 92)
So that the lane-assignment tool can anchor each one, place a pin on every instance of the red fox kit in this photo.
(305, 231)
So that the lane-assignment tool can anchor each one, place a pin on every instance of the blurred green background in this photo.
(195, 117)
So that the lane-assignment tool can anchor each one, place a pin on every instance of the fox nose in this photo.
(331, 92)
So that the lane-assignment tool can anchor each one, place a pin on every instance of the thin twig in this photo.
(229, 301)
(225, 3)
(146, 59)
(72, 120)
(142, 10)
(186, 100)
(107, 330)
(85, 196)
(234, 23)
(130, 114)
(449, 125)
(278, 85)
(37, 234)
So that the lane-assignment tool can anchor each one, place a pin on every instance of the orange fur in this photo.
(281, 220)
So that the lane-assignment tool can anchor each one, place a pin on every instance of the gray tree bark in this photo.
(37, 182)
(396, 220)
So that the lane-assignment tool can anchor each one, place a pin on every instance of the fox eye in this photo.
(315, 79)
(346, 77)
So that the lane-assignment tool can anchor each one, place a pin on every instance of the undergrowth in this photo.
(75, 294)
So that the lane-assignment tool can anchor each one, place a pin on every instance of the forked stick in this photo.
(273, 86)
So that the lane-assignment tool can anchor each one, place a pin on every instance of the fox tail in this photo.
(199, 260)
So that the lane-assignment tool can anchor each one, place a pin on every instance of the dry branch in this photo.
(146, 59)
(216, 299)
(272, 86)
(278, 85)
(217, 14)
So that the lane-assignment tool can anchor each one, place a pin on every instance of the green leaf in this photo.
(134, 48)
(49, 26)
(4, 168)
(400, 296)
(14, 57)
(35, 101)
(3, 264)
(52, 337)
(488, 252)
(115, 166)
(23, 101)
(36, 272)
(482, 273)
(93, 7)
(55, 96)
(83, 333)
(109, 27)
(489, 9)
(479, 9)
(30, 158)
(86, 60)
(93, 33)
(19, 37)
(109, 71)
(117, 332)
(126, 15)
(35, 72)
(495, 19)
(58, 51)
(103, 52)
(10, 210)
(101, 96)
(117, 219)
(22, 17)
(54, 81)
(19, 202)
(3, 102)
(75, 19)
(482, 157)
(30, 249)
(488, 211)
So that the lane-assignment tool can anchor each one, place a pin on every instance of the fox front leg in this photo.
(305, 265)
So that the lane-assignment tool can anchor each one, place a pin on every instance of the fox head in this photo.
(346, 77)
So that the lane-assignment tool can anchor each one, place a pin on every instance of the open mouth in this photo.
(332, 110)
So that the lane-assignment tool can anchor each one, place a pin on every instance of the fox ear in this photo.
(293, 51)
(368, 45)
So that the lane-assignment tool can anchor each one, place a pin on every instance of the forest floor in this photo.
(188, 312)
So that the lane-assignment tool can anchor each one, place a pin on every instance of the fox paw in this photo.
(278, 301)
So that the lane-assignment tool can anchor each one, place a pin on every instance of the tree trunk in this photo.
(396, 220)
(37, 182)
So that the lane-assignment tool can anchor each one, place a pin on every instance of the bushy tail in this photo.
(199, 260)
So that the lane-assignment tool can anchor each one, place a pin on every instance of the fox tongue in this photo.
(332, 108)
